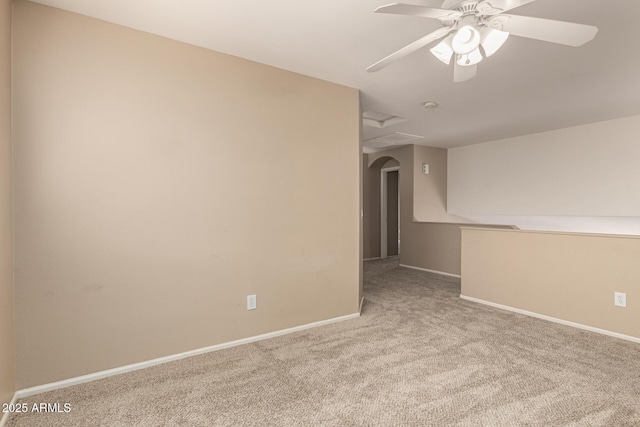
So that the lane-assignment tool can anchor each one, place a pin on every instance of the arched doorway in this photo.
(384, 226)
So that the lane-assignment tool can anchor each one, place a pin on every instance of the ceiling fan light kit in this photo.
(465, 40)
(471, 27)
(465, 44)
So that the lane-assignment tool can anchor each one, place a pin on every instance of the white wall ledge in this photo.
(608, 225)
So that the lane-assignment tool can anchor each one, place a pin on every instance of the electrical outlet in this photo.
(620, 299)
(252, 302)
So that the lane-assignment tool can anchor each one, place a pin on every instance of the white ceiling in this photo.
(527, 87)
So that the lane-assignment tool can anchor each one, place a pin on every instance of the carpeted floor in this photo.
(419, 355)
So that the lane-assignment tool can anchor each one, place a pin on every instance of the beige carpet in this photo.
(419, 355)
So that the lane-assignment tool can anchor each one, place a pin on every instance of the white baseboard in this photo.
(430, 271)
(6, 415)
(361, 304)
(141, 365)
(372, 259)
(553, 319)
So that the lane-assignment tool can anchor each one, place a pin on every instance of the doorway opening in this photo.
(389, 212)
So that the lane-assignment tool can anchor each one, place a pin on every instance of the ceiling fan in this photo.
(476, 29)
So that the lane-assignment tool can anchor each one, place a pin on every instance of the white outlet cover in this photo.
(252, 302)
(620, 299)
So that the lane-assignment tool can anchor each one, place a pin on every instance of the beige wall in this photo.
(571, 277)
(158, 184)
(430, 191)
(370, 209)
(433, 246)
(361, 168)
(7, 382)
(589, 170)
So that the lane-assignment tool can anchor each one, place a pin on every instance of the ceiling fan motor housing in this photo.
(465, 6)
(471, 14)
(468, 7)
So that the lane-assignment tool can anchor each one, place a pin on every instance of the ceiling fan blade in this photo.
(414, 10)
(507, 4)
(567, 33)
(463, 73)
(410, 48)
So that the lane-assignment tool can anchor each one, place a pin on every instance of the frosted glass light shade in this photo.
(492, 40)
(443, 51)
(466, 40)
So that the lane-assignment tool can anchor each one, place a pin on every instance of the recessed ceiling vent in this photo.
(380, 120)
(391, 140)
